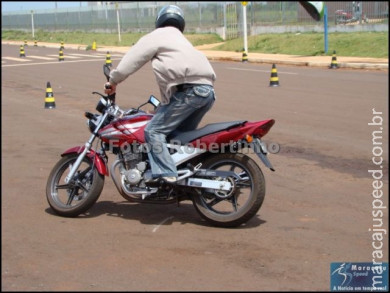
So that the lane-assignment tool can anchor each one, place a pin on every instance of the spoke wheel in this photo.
(70, 199)
(239, 204)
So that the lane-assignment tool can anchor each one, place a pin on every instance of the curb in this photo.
(355, 65)
(371, 66)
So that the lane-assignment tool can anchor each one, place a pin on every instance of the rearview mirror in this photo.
(154, 101)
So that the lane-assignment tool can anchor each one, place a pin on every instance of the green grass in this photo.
(361, 44)
(102, 39)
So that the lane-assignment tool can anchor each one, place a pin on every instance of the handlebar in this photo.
(111, 107)
(108, 97)
(107, 103)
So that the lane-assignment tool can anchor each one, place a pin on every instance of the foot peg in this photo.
(185, 173)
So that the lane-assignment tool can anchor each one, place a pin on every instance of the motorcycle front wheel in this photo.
(236, 207)
(79, 194)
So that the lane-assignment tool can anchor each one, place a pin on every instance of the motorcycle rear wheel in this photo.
(76, 197)
(245, 200)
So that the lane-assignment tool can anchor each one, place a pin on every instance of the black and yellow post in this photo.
(49, 99)
(61, 56)
(35, 43)
(333, 64)
(62, 46)
(21, 52)
(108, 59)
(25, 43)
(244, 56)
(274, 80)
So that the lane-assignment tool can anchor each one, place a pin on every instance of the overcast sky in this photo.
(8, 6)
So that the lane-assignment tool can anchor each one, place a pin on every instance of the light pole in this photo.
(326, 28)
(245, 26)
(32, 23)
(117, 19)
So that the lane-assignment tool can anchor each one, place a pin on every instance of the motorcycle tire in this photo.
(76, 197)
(243, 202)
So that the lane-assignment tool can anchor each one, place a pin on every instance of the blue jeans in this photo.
(183, 113)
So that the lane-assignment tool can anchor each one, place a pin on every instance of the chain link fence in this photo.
(223, 18)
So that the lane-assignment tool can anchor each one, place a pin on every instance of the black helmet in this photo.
(170, 15)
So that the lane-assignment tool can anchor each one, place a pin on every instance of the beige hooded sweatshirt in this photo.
(174, 60)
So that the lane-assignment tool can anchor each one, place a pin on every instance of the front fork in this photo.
(87, 148)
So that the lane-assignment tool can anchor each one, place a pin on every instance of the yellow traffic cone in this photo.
(244, 56)
(35, 43)
(61, 56)
(21, 51)
(62, 45)
(333, 64)
(25, 43)
(108, 59)
(49, 100)
(274, 80)
(94, 45)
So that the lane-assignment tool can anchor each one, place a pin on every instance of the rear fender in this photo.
(99, 162)
(261, 151)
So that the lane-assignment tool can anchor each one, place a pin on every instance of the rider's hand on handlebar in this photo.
(109, 88)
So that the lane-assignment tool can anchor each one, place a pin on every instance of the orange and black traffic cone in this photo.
(21, 51)
(61, 55)
(333, 64)
(244, 56)
(274, 80)
(49, 100)
(108, 59)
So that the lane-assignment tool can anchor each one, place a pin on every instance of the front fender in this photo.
(99, 162)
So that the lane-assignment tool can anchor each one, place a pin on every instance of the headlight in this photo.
(92, 125)
(93, 120)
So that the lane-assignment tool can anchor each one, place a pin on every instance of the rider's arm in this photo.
(138, 55)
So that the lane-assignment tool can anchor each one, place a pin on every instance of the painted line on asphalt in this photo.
(41, 57)
(16, 59)
(55, 62)
(85, 55)
(66, 56)
(158, 226)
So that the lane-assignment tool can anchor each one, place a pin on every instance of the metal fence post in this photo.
(224, 21)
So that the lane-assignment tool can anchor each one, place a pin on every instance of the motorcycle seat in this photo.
(188, 136)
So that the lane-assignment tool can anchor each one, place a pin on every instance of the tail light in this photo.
(263, 129)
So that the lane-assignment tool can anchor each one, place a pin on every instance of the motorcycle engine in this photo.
(134, 167)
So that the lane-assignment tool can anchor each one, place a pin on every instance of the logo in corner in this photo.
(363, 277)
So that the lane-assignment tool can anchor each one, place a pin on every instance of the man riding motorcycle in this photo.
(185, 78)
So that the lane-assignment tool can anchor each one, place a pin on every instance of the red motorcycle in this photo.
(226, 186)
(344, 17)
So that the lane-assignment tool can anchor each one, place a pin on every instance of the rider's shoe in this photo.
(148, 177)
(169, 179)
